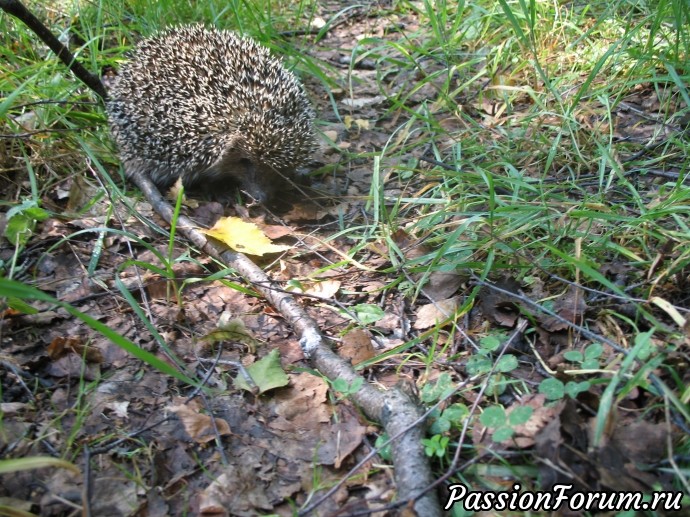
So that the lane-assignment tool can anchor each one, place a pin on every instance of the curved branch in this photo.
(396, 412)
(19, 11)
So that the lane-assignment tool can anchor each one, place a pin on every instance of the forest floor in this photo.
(524, 270)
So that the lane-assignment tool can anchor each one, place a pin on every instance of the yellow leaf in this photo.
(243, 237)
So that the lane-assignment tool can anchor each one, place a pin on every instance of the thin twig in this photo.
(19, 11)
(87, 491)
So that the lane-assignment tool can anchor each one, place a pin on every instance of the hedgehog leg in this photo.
(161, 174)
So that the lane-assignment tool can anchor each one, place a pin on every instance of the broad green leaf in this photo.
(478, 365)
(438, 390)
(267, 374)
(456, 413)
(507, 363)
(552, 388)
(502, 434)
(594, 351)
(574, 356)
(19, 229)
(573, 389)
(368, 313)
(520, 415)
(493, 416)
(490, 342)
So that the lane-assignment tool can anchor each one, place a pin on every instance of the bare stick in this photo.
(397, 413)
(19, 11)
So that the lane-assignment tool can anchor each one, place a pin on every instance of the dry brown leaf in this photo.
(361, 102)
(571, 306)
(302, 212)
(331, 135)
(440, 285)
(641, 441)
(198, 426)
(433, 313)
(119, 408)
(303, 404)
(72, 365)
(61, 346)
(325, 289)
(346, 436)
(276, 231)
(207, 214)
(235, 492)
(356, 346)
(173, 193)
(157, 287)
(12, 408)
(500, 307)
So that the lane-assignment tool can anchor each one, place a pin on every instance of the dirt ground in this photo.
(146, 448)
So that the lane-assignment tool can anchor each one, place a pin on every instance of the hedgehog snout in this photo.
(258, 180)
(250, 180)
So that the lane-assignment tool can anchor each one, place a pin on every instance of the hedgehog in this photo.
(212, 108)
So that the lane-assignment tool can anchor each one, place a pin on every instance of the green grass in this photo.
(514, 138)
(548, 188)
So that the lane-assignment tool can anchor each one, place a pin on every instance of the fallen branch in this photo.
(397, 413)
(19, 11)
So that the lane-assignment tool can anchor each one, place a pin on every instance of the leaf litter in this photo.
(66, 388)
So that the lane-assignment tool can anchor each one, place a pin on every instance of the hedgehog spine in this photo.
(212, 108)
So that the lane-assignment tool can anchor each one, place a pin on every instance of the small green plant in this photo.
(442, 421)
(573, 388)
(345, 388)
(384, 450)
(442, 388)
(589, 360)
(552, 388)
(453, 416)
(483, 362)
(436, 445)
(503, 425)
(555, 389)
(21, 221)
(364, 313)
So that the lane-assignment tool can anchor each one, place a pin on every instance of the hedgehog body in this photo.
(212, 108)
